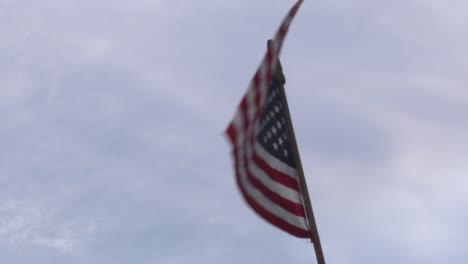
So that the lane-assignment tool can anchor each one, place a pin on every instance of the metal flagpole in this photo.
(300, 171)
(302, 183)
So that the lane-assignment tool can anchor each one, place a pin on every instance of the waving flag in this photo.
(265, 167)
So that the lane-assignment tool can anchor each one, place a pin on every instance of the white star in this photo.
(277, 109)
(285, 153)
(275, 146)
(280, 141)
(278, 124)
(274, 130)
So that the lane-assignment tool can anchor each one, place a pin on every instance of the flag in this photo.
(264, 164)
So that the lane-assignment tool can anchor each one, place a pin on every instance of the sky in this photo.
(112, 118)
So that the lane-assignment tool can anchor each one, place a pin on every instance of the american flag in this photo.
(265, 166)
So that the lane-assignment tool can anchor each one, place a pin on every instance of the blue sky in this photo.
(113, 112)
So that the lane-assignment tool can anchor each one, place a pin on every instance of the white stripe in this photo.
(250, 95)
(256, 195)
(274, 48)
(263, 82)
(274, 162)
(239, 134)
(276, 187)
(287, 22)
(264, 202)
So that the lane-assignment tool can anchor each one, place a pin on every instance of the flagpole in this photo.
(300, 171)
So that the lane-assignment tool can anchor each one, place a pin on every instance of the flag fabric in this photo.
(264, 164)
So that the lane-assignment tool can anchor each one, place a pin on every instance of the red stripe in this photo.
(256, 86)
(231, 133)
(269, 66)
(296, 6)
(292, 207)
(269, 217)
(244, 110)
(282, 32)
(275, 175)
(276, 221)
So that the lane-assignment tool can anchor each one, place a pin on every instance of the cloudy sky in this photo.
(112, 113)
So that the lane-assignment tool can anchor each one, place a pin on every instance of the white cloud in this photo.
(25, 225)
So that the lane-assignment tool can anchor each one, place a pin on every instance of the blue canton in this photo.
(273, 134)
